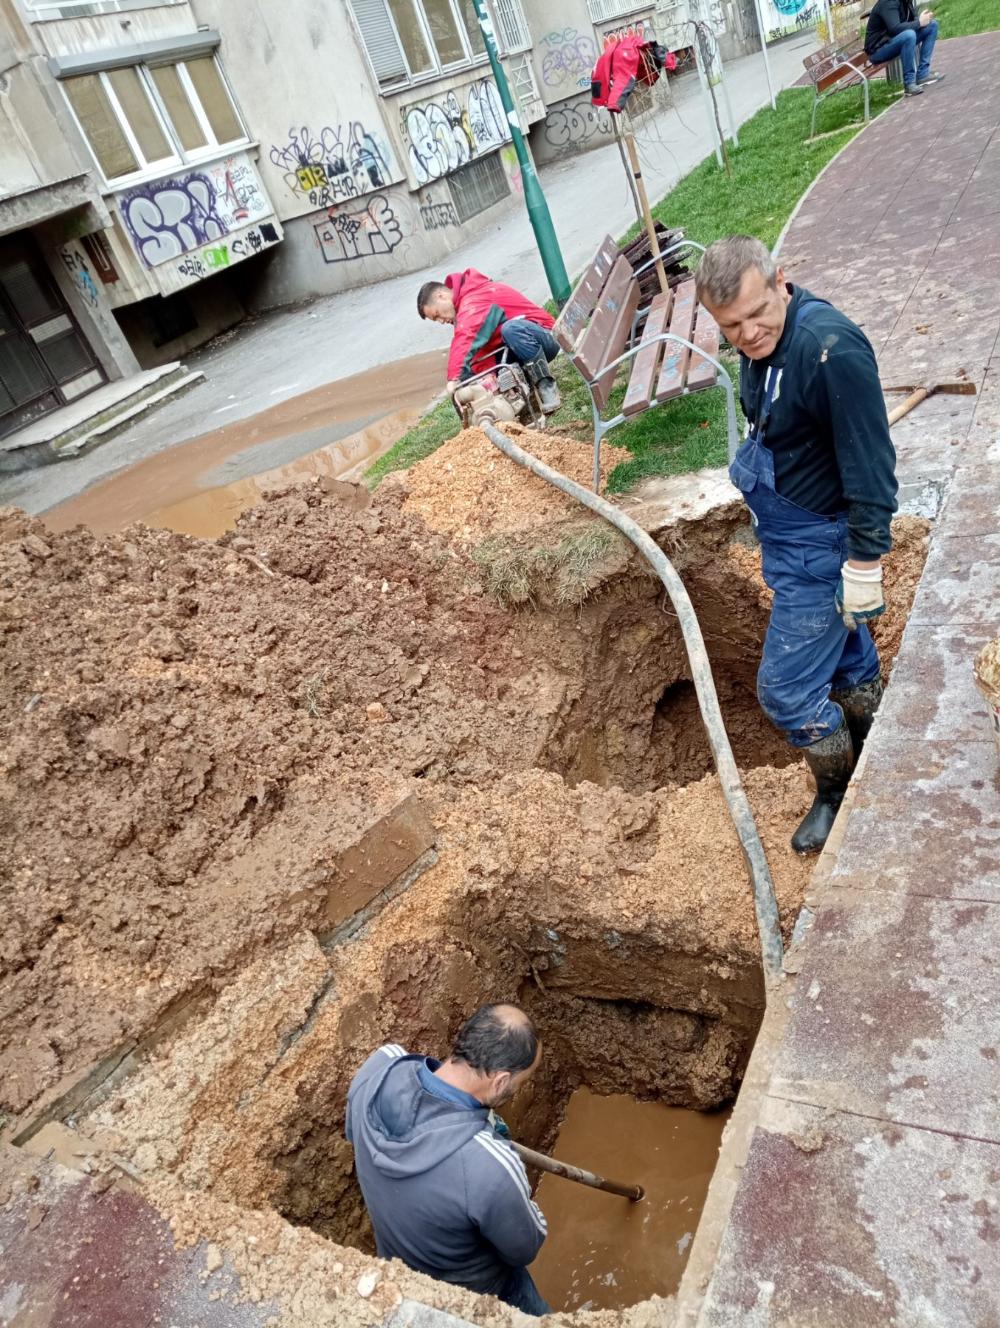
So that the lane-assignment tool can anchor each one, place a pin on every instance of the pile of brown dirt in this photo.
(468, 489)
(194, 730)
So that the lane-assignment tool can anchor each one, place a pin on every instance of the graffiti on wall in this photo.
(226, 253)
(349, 235)
(568, 60)
(443, 135)
(76, 266)
(784, 16)
(574, 126)
(169, 217)
(436, 216)
(334, 164)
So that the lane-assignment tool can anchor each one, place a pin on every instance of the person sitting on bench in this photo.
(487, 317)
(895, 31)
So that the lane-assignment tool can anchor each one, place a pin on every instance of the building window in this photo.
(410, 40)
(141, 118)
(476, 187)
(41, 9)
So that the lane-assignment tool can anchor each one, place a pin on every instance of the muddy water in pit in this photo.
(201, 486)
(604, 1252)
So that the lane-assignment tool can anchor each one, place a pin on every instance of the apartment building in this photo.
(168, 165)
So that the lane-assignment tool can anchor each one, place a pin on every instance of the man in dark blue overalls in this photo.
(817, 470)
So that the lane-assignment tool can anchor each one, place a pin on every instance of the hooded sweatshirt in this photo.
(445, 1193)
(482, 307)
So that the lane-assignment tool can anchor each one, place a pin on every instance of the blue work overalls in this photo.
(807, 650)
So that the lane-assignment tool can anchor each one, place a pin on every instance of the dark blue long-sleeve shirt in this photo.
(828, 428)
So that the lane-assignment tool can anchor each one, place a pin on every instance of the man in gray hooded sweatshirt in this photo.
(445, 1192)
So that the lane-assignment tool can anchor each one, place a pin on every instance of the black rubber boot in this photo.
(831, 761)
(859, 705)
(540, 374)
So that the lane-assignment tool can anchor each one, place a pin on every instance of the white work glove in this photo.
(859, 595)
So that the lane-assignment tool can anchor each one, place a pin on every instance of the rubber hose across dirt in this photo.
(765, 904)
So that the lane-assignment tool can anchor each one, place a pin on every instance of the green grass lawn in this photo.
(962, 18)
(771, 170)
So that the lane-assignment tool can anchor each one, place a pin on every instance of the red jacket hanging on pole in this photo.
(624, 63)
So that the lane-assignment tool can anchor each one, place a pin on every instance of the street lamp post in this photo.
(538, 209)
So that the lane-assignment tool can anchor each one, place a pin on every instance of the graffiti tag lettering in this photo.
(366, 232)
(437, 216)
(569, 128)
(214, 258)
(337, 163)
(569, 58)
(443, 136)
(172, 216)
(76, 266)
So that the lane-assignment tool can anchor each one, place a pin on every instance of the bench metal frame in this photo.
(842, 62)
(603, 427)
(722, 378)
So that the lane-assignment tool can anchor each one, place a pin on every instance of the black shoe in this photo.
(545, 385)
(831, 761)
(932, 77)
(859, 705)
(911, 90)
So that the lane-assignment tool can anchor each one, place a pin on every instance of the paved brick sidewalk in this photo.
(870, 1192)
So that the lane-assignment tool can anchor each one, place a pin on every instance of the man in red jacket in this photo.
(487, 317)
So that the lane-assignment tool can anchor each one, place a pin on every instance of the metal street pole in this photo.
(538, 209)
(763, 51)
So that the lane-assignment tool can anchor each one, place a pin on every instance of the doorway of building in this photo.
(45, 361)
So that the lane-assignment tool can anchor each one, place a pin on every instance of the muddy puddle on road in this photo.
(604, 1252)
(331, 431)
(211, 512)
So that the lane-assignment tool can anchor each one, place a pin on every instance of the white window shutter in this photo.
(381, 42)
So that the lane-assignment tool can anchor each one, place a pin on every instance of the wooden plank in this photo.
(675, 358)
(572, 322)
(640, 388)
(706, 337)
(617, 341)
(597, 347)
(829, 66)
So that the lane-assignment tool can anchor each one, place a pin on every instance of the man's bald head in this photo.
(497, 1037)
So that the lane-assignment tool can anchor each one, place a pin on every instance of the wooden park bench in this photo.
(838, 66)
(675, 352)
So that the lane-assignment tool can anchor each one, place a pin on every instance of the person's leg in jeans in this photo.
(520, 1292)
(534, 347)
(926, 38)
(904, 47)
(526, 340)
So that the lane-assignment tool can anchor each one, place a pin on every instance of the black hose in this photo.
(765, 904)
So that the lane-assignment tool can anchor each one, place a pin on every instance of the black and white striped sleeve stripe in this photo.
(393, 1050)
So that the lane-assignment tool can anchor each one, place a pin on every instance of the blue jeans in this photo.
(519, 1290)
(526, 341)
(904, 45)
(807, 650)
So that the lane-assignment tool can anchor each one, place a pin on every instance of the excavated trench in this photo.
(575, 856)
(579, 888)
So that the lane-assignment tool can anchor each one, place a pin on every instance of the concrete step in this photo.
(93, 419)
(120, 420)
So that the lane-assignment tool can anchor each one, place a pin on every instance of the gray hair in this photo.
(720, 272)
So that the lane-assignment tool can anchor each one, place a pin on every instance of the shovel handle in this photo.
(904, 407)
(544, 1163)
